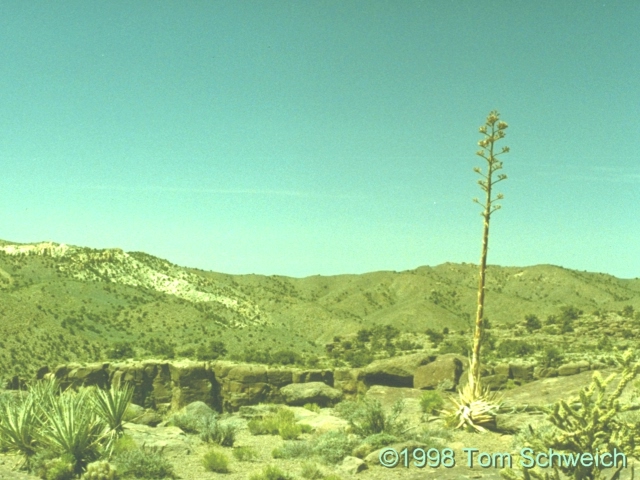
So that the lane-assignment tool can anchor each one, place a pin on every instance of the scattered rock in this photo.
(352, 465)
(312, 392)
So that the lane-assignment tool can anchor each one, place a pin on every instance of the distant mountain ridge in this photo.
(61, 303)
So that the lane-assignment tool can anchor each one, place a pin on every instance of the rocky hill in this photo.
(61, 303)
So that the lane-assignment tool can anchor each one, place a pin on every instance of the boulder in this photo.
(389, 396)
(198, 409)
(312, 392)
(444, 372)
(521, 372)
(495, 382)
(395, 371)
(352, 465)
(171, 439)
(573, 368)
(323, 422)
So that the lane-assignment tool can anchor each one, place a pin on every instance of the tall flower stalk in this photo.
(493, 130)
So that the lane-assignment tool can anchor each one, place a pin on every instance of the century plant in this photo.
(475, 406)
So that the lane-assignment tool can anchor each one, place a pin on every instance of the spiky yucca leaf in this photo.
(73, 428)
(19, 426)
(475, 407)
(112, 404)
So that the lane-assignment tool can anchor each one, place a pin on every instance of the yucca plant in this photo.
(111, 406)
(73, 428)
(19, 426)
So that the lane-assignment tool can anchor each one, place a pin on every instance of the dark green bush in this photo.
(367, 417)
(514, 348)
(212, 351)
(286, 357)
(532, 322)
(457, 345)
(121, 350)
(552, 357)
(431, 402)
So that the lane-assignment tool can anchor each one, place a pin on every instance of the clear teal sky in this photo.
(322, 137)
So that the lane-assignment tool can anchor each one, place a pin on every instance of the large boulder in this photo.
(395, 371)
(312, 392)
(389, 396)
(444, 373)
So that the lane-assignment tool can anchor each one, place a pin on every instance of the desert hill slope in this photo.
(61, 303)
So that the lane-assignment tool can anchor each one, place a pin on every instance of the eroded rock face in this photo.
(444, 372)
(395, 371)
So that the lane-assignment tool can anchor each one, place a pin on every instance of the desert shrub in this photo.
(363, 335)
(569, 313)
(270, 472)
(434, 337)
(161, 348)
(372, 443)
(187, 422)
(532, 322)
(333, 446)
(256, 356)
(310, 471)
(566, 326)
(121, 350)
(124, 444)
(367, 417)
(552, 320)
(148, 463)
(604, 343)
(57, 469)
(292, 449)
(552, 357)
(431, 402)
(406, 344)
(212, 351)
(286, 357)
(244, 454)
(215, 461)
(282, 423)
(514, 348)
(457, 345)
(289, 431)
(358, 358)
(211, 430)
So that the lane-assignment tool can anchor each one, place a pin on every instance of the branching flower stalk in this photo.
(493, 130)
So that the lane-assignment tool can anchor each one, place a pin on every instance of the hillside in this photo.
(61, 303)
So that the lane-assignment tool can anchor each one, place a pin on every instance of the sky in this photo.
(322, 137)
